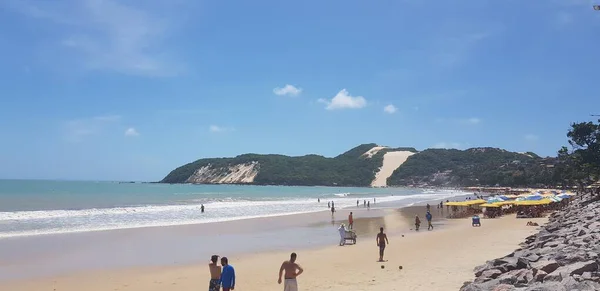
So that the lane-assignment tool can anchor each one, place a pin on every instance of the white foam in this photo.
(28, 223)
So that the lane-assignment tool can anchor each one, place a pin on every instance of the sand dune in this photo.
(391, 162)
(373, 151)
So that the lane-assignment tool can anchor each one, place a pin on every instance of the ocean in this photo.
(35, 207)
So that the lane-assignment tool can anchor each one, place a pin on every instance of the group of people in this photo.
(224, 276)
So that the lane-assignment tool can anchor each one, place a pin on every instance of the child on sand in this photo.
(417, 222)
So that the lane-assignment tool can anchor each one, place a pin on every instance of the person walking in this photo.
(429, 217)
(292, 271)
(350, 221)
(381, 242)
(417, 222)
(227, 276)
(215, 274)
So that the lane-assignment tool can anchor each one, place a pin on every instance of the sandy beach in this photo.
(441, 259)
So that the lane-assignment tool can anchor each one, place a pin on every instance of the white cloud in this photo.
(448, 145)
(287, 90)
(216, 128)
(531, 137)
(343, 100)
(77, 130)
(131, 132)
(471, 121)
(391, 109)
(106, 34)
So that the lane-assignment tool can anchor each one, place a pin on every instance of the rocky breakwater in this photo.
(564, 255)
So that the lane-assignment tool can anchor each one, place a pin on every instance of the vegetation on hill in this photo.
(580, 165)
(347, 169)
(473, 167)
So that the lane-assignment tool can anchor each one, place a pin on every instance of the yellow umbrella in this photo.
(490, 205)
(544, 201)
(475, 202)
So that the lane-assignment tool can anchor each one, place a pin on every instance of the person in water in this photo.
(215, 274)
(292, 271)
(381, 242)
(227, 276)
(202, 208)
(429, 217)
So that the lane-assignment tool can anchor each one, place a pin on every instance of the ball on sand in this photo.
(400, 267)
(382, 266)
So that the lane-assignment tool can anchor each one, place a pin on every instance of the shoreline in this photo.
(389, 201)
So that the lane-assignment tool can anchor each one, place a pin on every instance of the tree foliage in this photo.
(473, 167)
(581, 164)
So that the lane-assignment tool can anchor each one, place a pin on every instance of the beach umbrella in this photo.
(534, 197)
(494, 199)
(490, 205)
(555, 198)
(534, 202)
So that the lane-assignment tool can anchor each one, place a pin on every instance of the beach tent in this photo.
(495, 199)
(493, 205)
(533, 202)
(534, 197)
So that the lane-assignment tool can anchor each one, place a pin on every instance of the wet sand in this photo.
(174, 258)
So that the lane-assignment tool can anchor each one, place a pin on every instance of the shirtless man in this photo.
(292, 270)
(381, 242)
(215, 274)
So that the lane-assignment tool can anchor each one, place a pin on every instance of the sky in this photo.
(129, 90)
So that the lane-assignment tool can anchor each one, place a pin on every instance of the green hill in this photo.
(347, 169)
(431, 167)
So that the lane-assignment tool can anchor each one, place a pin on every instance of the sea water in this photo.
(29, 208)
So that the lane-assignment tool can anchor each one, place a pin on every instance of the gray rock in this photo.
(581, 267)
(539, 276)
(532, 257)
(488, 275)
(572, 285)
(553, 286)
(586, 275)
(547, 266)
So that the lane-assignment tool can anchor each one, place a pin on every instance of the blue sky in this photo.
(128, 90)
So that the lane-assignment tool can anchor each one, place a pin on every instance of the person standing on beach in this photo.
(381, 242)
(227, 276)
(357, 203)
(328, 204)
(368, 204)
(292, 270)
(364, 203)
(332, 210)
(350, 221)
(215, 274)
(417, 223)
(428, 206)
(429, 217)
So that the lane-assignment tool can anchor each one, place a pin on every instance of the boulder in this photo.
(581, 267)
(488, 275)
(553, 286)
(547, 266)
(539, 276)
